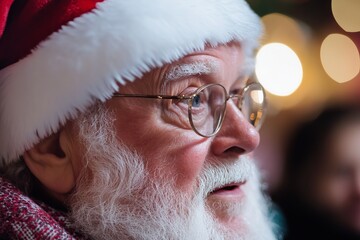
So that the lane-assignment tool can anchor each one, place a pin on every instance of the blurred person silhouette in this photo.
(320, 198)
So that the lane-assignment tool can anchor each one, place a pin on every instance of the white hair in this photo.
(190, 69)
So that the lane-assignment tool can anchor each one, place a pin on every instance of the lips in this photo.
(228, 189)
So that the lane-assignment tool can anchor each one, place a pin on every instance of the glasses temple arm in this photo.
(151, 96)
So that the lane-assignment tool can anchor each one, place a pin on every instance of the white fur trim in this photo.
(118, 41)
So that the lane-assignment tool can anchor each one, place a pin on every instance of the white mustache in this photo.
(228, 171)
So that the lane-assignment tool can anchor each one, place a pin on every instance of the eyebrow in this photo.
(190, 69)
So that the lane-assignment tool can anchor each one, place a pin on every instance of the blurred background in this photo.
(309, 59)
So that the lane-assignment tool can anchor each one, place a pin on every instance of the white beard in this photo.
(116, 198)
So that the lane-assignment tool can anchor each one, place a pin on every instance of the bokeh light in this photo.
(346, 13)
(284, 29)
(340, 57)
(278, 69)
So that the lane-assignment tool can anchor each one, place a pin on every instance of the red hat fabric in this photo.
(4, 11)
(30, 22)
(58, 57)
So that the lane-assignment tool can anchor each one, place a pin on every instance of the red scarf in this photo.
(23, 218)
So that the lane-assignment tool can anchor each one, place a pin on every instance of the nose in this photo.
(236, 136)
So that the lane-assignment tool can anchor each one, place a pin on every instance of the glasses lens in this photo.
(207, 109)
(253, 104)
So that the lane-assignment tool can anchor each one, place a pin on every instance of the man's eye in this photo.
(199, 100)
(196, 101)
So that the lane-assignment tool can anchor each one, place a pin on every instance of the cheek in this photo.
(177, 158)
(169, 151)
(188, 162)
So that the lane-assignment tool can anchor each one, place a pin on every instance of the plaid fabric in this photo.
(23, 218)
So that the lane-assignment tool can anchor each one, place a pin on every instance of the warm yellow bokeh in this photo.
(340, 58)
(278, 69)
(347, 14)
(284, 29)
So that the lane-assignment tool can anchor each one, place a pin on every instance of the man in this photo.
(113, 120)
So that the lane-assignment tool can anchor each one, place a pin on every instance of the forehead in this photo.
(211, 65)
(211, 61)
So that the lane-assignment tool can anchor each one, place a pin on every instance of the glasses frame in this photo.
(191, 97)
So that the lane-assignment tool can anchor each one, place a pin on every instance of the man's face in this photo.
(160, 129)
(337, 185)
(155, 170)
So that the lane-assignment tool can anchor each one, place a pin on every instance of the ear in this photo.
(51, 165)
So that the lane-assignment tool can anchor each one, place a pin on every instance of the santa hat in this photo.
(58, 57)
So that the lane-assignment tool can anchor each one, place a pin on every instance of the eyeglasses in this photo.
(207, 106)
